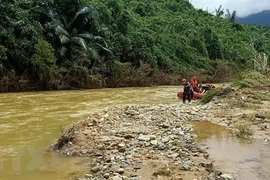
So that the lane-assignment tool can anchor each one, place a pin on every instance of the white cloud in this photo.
(242, 7)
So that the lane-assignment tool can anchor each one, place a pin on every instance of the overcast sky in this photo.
(242, 7)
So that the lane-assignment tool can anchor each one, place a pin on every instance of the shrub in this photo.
(243, 131)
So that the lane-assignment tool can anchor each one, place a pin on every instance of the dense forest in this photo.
(75, 44)
(261, 18)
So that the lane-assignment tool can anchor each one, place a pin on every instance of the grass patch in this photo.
(243, 131)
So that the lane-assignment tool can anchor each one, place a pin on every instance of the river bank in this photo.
(157, 141)
(141, 142)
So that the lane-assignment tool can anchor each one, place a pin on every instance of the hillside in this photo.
(58, 44)
(262, 19)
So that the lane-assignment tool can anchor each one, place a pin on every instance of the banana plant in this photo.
(76, 36)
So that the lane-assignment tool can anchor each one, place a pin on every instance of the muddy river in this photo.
(30, 122)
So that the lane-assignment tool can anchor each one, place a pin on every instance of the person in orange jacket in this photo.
(194, 84)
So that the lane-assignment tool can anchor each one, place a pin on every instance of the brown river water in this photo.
(30, 122)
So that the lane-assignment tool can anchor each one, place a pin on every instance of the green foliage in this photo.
(91, 37)
(3, 51)
(19, 32)
(252, 79)
(44, 55)
(219, 91)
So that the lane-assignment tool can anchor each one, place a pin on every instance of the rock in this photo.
(175, 155)
(96, 169)
(166, 139)
(121, 145)
(133, 135)
(226, 177)
(165, 125)
(154, 118)
(181, 133)
(106, 175)
(87, 132)
(143, 137)
(178, 178)
(186, 165)
(75, 153)
(153, 137)
(211, 176)
(125, 178)
(154, 142)
(88, 176)
(161, 146)
(128, 136)
(120, 171)
(259, 119)
(115, 178)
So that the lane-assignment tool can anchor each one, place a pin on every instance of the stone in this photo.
(125, 178)
(115, 178)
(154, 142)
(166, 139)
(121, 145)
(96, 169)
(152, 137)
(143, 137)
(120, 171)
(106, 175)
(226, 177)
(161, 146)
(165, 125)
(128, 136)
(178, 178)
(186, 165)
(88, 176)
(211, 176)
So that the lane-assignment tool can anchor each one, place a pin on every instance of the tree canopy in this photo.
(64, 44)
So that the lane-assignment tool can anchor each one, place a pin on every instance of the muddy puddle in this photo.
(242, 159)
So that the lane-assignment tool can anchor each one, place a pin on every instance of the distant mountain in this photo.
(262, 18)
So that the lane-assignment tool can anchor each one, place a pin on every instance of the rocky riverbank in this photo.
(142, 142)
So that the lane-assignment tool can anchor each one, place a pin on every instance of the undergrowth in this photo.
(252, 79)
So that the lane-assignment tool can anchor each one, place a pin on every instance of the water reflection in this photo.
(245, 160)
(205, 130)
